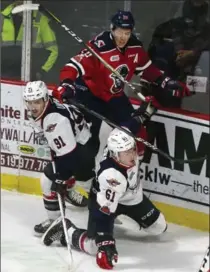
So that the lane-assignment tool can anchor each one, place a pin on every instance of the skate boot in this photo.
(77, 196)
(42, 227)
(55, 231)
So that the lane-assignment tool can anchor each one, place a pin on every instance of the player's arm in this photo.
(61, 140)
(82, 65)
(149, 72)
(112, 185)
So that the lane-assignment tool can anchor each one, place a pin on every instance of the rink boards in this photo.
(180, 191)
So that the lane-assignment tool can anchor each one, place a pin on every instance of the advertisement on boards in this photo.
(184, 138)
(21, 145)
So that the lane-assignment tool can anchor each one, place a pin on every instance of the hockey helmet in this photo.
(122, 19)
(35, 90)
(119, 141)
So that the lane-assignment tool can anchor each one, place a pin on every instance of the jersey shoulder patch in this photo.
(112, 179)
(103, 42)
(52, 120)
(54, 114)
(113, 176)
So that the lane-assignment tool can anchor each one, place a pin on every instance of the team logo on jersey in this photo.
(99, 43)
(115, 58)
(113, 182)
(51, 127)
(118, 85)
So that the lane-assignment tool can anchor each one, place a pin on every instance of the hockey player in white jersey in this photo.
(63, 127)
(116, 190)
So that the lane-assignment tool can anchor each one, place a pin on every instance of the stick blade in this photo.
(25, 7)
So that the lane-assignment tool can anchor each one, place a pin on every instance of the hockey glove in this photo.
(107, 255)
(60, 186)
(177, 88)
(65, 91)
(144, 112)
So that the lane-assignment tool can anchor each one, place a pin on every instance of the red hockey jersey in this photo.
(101, 82)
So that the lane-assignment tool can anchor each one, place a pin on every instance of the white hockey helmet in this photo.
(119, 141)
(35, 90)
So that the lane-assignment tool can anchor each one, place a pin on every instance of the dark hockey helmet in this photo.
(122, 19)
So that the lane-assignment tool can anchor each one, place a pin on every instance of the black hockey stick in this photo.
(138, 139)
(60, 202)
(42, 9)
(205, 262)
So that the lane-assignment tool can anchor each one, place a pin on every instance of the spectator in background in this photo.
(177, 45)
(44, 45)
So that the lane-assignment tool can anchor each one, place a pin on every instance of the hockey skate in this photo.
(55, 232)
(77, 196)
(42, 227)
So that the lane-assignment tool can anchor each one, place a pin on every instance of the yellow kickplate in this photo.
(173, 214)
(184, 217)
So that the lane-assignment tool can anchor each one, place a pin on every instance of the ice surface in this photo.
(181, 249)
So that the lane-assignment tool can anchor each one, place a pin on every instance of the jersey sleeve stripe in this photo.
(79, 67)
(73, 66)
(144, 67)
(134, 46)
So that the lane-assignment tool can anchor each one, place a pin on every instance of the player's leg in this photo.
(97, 240)
(50, 198)
(87, 160)
(120, 110)
(79, 239)
(72, 193)
(122, 107)
(122, 116)
(84, 240)
(152, 220)
(85, 96)
(147, 216)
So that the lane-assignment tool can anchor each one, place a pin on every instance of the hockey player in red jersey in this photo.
(86, 79)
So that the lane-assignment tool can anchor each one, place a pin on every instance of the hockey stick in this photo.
(138, 139)
(205, 262)
(64, 225)
(42, 9)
